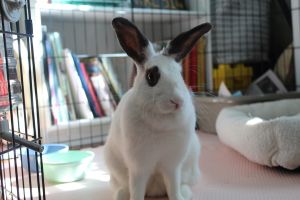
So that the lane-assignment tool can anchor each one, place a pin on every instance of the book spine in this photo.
(100, 85)
(186, 71)
(201, 76)
(94, 103)
(80, 100)
(108, 80)
(58, 104)
(193, 69)
(62, 74)
(85, 86)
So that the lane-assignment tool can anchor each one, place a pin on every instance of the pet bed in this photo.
(266, 133)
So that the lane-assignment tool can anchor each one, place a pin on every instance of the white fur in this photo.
(152, 148)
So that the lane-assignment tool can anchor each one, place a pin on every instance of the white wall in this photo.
(96, 36)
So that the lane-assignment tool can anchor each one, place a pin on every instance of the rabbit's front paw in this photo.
(122, 194)
(186, 192)
(178, 196)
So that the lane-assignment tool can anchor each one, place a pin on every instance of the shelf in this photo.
(107, 13)
(106, 55)
(81, 132)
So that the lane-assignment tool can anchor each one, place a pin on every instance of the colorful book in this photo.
(96, 111)
(90, 91)
(110, 78)
(61, 73)
(58, 105)
(82, 108)
(100, 85)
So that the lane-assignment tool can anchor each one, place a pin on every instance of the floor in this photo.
(225, 175)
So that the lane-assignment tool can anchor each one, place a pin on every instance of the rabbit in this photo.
(152, 149)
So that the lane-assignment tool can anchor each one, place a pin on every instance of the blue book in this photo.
(58, 105)
(85, 86)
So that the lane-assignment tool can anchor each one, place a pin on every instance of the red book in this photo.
(95, 104)
(3, 84)
(185, 70)
(193, 69)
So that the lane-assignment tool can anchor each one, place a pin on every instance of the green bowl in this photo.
(68, 166)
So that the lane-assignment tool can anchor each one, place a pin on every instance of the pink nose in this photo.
(177, 104)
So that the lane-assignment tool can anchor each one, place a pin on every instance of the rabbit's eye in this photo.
(152, 76)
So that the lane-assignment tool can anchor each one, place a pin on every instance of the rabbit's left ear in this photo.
(179, 47)
(134, 43)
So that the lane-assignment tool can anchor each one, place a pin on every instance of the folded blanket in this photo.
(266, 133)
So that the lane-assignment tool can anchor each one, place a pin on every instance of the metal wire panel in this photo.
(244, 43)
(19, 108)
(86, 30)
(248, 38)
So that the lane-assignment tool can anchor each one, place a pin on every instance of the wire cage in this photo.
(20, 140)
(67, 89)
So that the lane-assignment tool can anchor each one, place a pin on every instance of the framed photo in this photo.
(268, 83)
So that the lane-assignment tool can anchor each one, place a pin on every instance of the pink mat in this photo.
(225, 175)
(228, 175)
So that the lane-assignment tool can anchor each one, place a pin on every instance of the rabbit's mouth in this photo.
(170, 106)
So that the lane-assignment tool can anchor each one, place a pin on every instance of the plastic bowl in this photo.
(48, 149)
(67, 166)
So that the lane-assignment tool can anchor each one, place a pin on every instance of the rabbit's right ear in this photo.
(134, 43)
(180, 46)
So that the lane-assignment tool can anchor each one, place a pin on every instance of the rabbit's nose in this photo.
(176, 102)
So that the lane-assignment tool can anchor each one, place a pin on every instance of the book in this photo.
(22, 66)
(99, 84)
(201, 76)
(186, 70)
(110, 78)
(58, 105)
(161, 4)
(93, 105)
(61, 72)
(133, 75)
(193, 69)
(3, 82)
(81, 104)
(91, 93)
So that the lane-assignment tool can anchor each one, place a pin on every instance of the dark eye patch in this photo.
(152, 76)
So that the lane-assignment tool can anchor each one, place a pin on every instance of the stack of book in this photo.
(84, 88)
(194, 67)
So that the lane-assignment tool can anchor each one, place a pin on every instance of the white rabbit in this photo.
(152, 148)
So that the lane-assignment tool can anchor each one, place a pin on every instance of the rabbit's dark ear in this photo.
(179, 47)
(134, 43)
